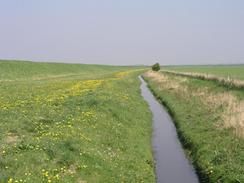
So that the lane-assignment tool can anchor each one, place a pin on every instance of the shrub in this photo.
(156, 67)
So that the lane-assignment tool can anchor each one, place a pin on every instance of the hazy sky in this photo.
(123, 31)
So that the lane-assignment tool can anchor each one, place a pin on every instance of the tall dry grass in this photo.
(228, 82)
(233, 108)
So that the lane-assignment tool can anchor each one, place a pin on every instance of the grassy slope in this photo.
(236, 72)
(72, 129)
(16, 70)
(216, 152)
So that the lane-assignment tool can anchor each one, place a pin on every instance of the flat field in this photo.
(89, 123)
(232, 71)
(73, 123)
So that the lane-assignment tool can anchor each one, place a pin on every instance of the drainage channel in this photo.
(171, 163)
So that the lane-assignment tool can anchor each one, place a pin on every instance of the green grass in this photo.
(73, 123)
(25, 70)
(216, 152)
(234, 71)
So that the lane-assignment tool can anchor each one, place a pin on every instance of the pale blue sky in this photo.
(123, 31)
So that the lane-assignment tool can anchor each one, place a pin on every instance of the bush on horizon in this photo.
(156, 67)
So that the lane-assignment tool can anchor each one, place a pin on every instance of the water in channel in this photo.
(171, 163)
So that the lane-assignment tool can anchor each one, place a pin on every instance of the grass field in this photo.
(210, 122)
(18, 71)
(234, 71)
(89, 123)
(73, 123)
